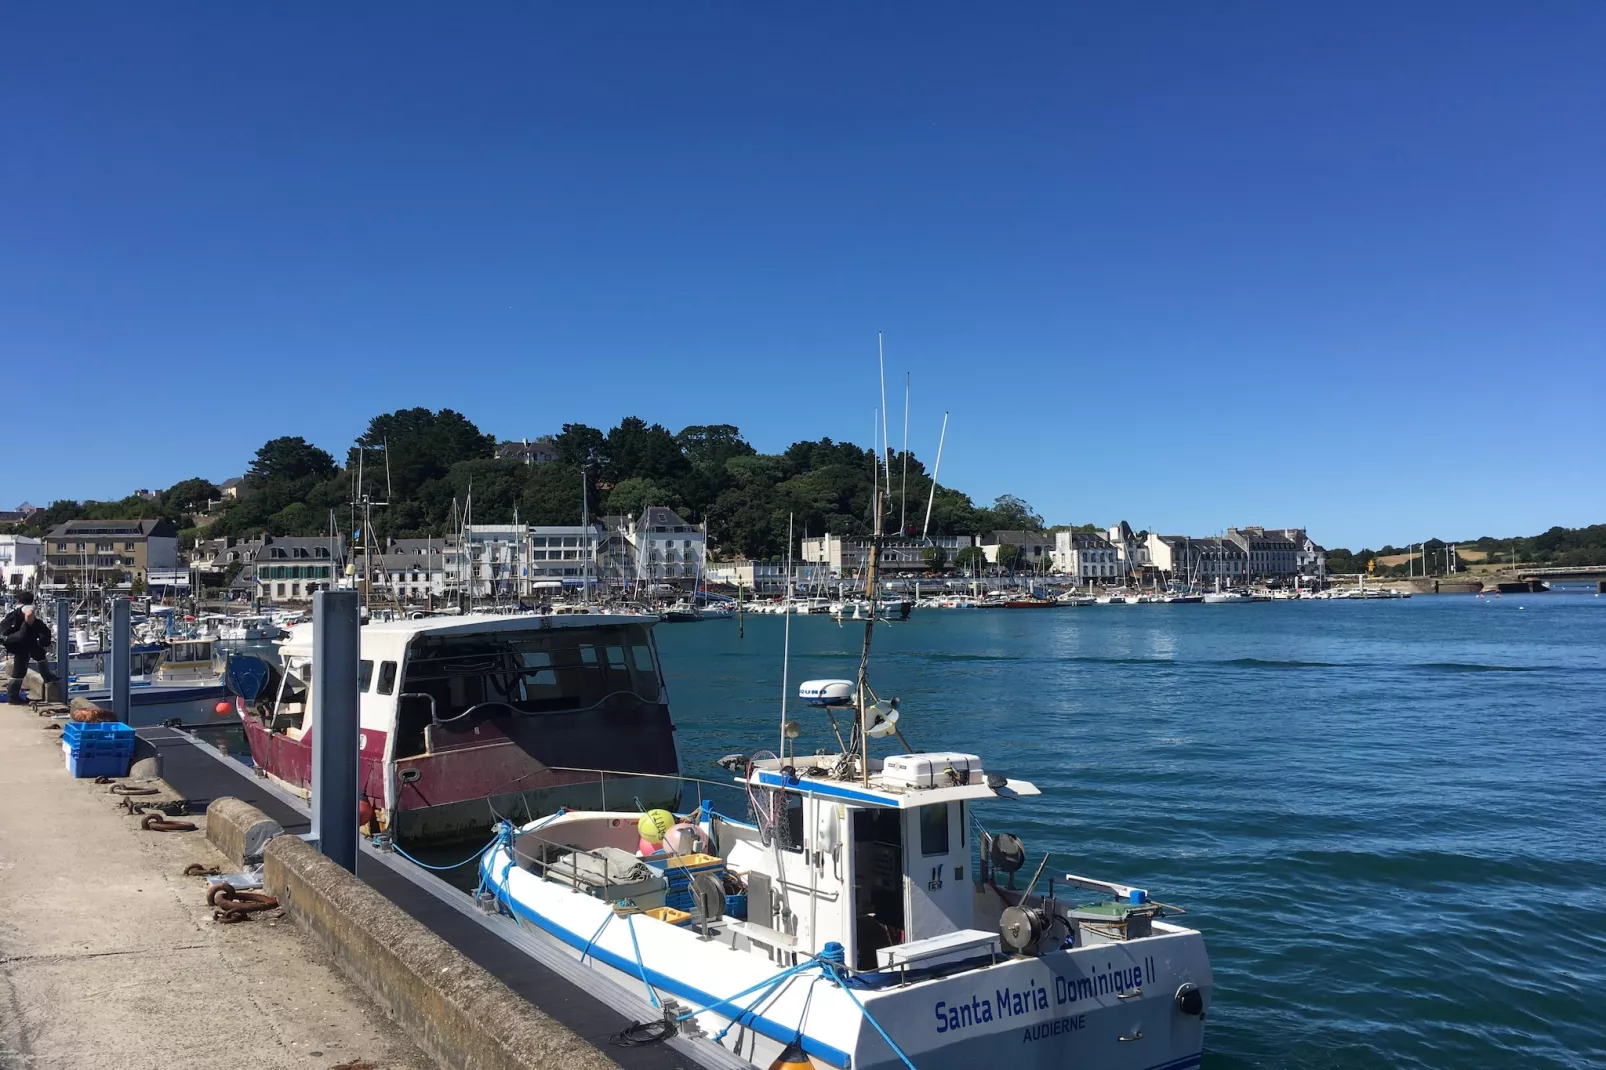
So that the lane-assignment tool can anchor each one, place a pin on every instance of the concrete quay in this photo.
(109, 955)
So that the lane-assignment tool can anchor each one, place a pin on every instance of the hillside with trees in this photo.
(1558, 548)
(437, 460)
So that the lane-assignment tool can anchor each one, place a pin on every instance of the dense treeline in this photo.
(436, 459)
(1559, 547)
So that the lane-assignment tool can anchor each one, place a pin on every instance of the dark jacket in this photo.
(22, 636)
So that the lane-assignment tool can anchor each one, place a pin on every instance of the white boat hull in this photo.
(1108, 1006)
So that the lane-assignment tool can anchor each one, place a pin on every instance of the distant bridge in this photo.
(1580, 572)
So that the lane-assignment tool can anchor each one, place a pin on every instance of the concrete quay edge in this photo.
(454, 1010)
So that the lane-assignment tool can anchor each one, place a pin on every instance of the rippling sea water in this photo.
(1388, 818)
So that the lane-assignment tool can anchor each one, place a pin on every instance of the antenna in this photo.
(935, 469)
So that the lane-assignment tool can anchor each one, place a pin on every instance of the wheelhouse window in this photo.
(538, 672)
(387, 677)
(934, 829)
(365, 674)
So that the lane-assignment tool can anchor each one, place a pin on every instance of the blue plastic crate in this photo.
(73, 731)
(736, 906)
(90, 748)
(681, 901)
(92, 765)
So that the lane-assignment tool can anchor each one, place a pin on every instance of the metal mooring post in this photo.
(63, 643)
(336, 739)
(117, 659)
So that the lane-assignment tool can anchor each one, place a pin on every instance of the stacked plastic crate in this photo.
(681, 870)
(97, 748)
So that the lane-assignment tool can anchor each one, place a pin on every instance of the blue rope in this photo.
(630, 923)
(586, 951)
(439, 869)
(831, 969)
(768, 982)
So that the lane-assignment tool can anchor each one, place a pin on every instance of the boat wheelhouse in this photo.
(466, 719)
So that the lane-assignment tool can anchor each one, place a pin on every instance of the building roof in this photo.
(126, 528)
(284, 548)
(1015, 538)
(657, 516)
(419, 546)
(1089, 540)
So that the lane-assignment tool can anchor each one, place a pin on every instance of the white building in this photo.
(564, 552)
(668, 549)
(496, 555)
(410, 577)
(1131, 547)
(766, 577)
(1087, 557)
(1036, 550)
(293, 569)
(847, 556)
(21, 560)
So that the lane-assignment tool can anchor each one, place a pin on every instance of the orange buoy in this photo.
(793, 1058)
(223, 709)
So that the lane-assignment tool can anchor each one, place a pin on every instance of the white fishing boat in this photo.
(1219, 598)
(862, 916)
(858, 915)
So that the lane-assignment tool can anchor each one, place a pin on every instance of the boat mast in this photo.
(903, 489)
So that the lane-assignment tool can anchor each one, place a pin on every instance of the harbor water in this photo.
(1384, 816)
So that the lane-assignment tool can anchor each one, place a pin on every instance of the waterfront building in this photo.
(1131, 549)
(21, 561)
(496, 553)
(767, 577)
(291, 568)
(1213, 559)
(99, 553)
(1036, 548)
(564, 552)
(669, 551)
(847, 556)
(1270, 555)
(411, 577)
(1087, 557)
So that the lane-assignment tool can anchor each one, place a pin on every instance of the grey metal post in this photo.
(117, 659)
(63, 642)
(336, 739)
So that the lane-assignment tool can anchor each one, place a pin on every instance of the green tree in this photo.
(289, 459)
(970, 559)
(1009, 556)
(935, 557)
(552, 495)
(139, 588)
(632, 496)
(189, 496)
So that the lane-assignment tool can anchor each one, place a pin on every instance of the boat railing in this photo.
(705, 791)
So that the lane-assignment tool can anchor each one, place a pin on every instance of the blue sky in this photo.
(1191, 265)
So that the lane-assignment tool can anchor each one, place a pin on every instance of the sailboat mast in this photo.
(903, 489)
(932, 497)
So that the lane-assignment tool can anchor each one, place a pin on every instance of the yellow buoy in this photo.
(653, 825)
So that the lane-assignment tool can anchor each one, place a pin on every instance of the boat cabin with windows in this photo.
(467, 718)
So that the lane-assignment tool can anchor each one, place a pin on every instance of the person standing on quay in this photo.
(25, 637)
